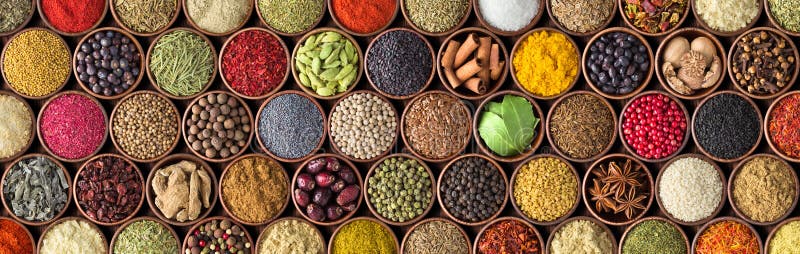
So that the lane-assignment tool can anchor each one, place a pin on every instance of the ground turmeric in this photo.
(546, 63)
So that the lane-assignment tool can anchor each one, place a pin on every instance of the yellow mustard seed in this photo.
(36, 63)
(545, 189)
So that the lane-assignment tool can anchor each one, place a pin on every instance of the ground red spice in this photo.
(72, 126)
(73, 16)
(784, 126)
(364, 16)
(14, 238)
(254, 63)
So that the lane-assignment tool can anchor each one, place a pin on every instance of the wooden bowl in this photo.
(75, 189)
(430, 76)
(198, 28)
(621, 4)
(345, 216)
(275, 222)
(44, 108)
(3, 59)
(144, 34)
(513, 71)
(177, 120)
(411, 148)
(137, 219)
(690, 32)
(67, 34)
(633, 151)
(142, 64)
(335, 145)
(574, 33)
(296, 74)
(65, 219)
(372, 172)
(27, 232)
(57, 215)
(33, 127)
(563, 154)
(564, 216)
(187, 115)
(694, 131)
(653, 218)
(422, 31)
(767, 134)
(152, 78)
(529, 26)
(344, 28)
(735, 174)
(610, 235)
(197, 225)
(616, 219)
(24, 23)
(258, 126)
(775, 229)
(432, 219)
(439, 189)
(313, 25)
(723, 193)
(722, 33)
(384, 226)
(170, 160)
(218, 64)
(476, 246)
(642, 85)
(723, 219)
(774, 22)
(795, 70)
(464, 93)
(537, 139)
(227, 207)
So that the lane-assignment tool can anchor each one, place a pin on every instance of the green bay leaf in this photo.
(495, 135)
(519, 119)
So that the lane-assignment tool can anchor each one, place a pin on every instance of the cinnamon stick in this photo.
(468, 70)
(450, 54)
(476, 85)
(497, 70)
(466, 49)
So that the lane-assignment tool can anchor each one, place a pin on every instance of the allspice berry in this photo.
(220, 126)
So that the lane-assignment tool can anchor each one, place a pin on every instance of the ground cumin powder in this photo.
(254, 189)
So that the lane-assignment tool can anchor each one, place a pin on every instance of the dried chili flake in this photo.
(509, 236)
(784, 126)
(254, 63)
(655, 16)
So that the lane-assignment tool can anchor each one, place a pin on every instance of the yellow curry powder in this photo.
(36, 63)
(786, 239)
(546, 63)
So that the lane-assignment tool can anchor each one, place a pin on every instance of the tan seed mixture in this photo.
(582, 15)
(363, 126)
(436, 126)
(145, 126)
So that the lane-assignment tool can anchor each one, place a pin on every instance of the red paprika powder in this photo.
(363, 16)
(14, 238)
(784, 126)
(254, 63)
(73, 16)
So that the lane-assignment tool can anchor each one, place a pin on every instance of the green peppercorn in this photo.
(399, 189)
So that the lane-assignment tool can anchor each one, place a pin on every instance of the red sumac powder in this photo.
(254, 63)
(73, 16)
(72, 126)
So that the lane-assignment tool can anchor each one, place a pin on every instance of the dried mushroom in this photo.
(182, 191)
(691, 67)
(36, 189)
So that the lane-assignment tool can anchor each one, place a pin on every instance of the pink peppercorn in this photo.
(654, 126)
(72, 126)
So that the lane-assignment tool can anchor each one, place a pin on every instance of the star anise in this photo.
(602, 197)
(621, 179)
(630, 204)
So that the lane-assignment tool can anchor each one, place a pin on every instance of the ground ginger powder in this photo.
(546, 63)
(254, 189)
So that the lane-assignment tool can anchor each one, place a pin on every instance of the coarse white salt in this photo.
(690, 189)
(508, 15)
(727, 15)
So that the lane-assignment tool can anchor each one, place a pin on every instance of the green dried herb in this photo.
(145, 236)
(654, 236)
(508, 127)
(290, 16)
(145, 16)
(182, 63)
(14, 13)
(36, 189)
(786, 13)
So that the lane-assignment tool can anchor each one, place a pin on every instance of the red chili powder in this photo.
(364, 16)
(254, 63)
(784, 126)
(13, 238)
(73, 16)
(72, 126)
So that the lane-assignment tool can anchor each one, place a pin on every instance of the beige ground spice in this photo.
(15, 128)
(254, 189)
(764, 189)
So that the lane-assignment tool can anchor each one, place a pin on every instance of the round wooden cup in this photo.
(723, 219)
(27, 232)
(439, 190)
(299, 220)
(563, 217)
(774, 231)
(384, 226)
(198, 28)
(117, 19)
(476, 246)
(24, 23)
(723, 193)
(551, 139)
(137, 219)
(616, 219)
(346, 215)
(296, 73)
(732, 200)
(260, 14)
(539, 131)
(693, 33)
(642, 85)
(466, 93)
(227, 207)
(371, 173)
(3, 60)
(605, 228)
(432, 34)
(44, 108)
(197, 225)
(142, 64)
(75, 189)
(258, 126)
(794, 71)
(335, 145)
(354, 33)
(622, 130)
(621, 4)
(31, 130)
(152, 78)
(561, 27)
(433, 219)
(653, 218)
(219, 63)
(170, 160)
(513, 71)
(187, 115)
(93, 226)
(768, 118)
(68, 34)
(176, 119)
(392, 96)
(411, 147)
(694, 130)
(774, 20)
(705, 26)
(529, 26)
(8, 208)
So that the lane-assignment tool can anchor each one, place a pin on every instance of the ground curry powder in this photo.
(363, 236)
(545, 63)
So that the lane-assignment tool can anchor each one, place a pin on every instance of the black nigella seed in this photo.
(727, 126)
(399, 63)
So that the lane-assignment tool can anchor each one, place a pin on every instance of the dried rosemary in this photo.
(182, 63)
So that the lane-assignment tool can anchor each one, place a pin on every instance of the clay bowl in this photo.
(768, 117)
(32, 127)
(439, 189)
(345, 216)
(633, 151)
(512, 185)
(723, 193)
(27, 232)
(143, 218)
(422, 31)
(71, 218)
(694, 133)
(551, 139)
(575, 33)
(463, 92)
(275, 222)
(723, 219)
(258, 127)
(218, 64)
(197, 225)
(430, 76)
(621, 4)
(142, 64)
(144, 34)
(537, 139)
(343, 27)
(610, 218)
(722, 33)
(228, 207)
(414, 227)
(642, 85)
(75, 189)
(610, 235)
(296, 73)
(384, 226)
(152, 78)
(198, 28)
(3, 70)
(794, 73)
(774, 21)
(372, 208)
(411, 147)
(335, 145)
(690, 33)
(8, 207)
(187, 115)
(170, 160)
(67, 34)
(177, 119)
(774, 230)
(24, 23)
(654, 218)
(264, 22)
(739, 212)
(529, 26)
(514, 70)
(39, 129)
(476, 246)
